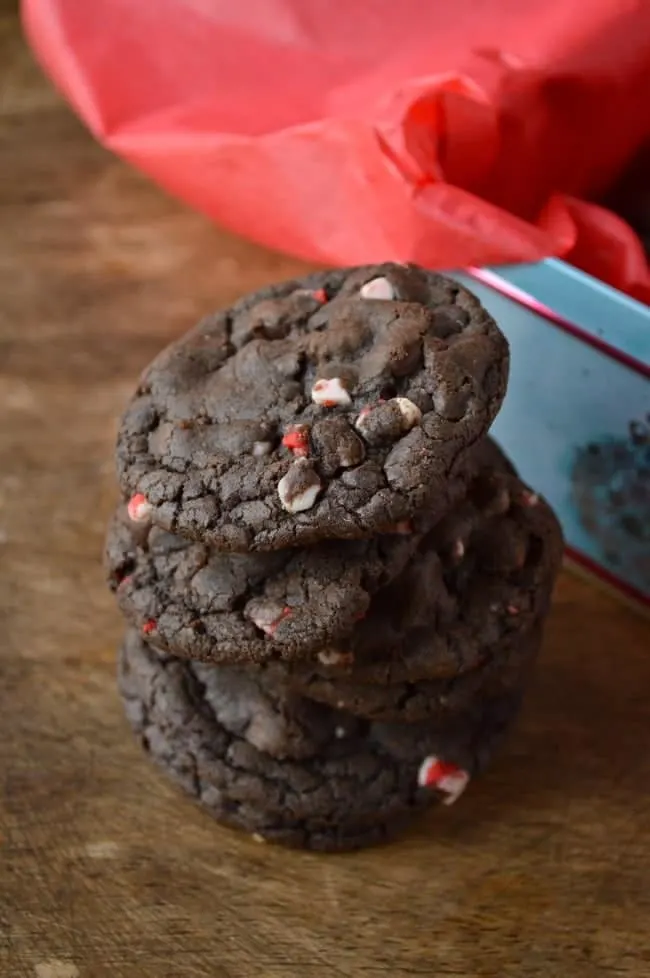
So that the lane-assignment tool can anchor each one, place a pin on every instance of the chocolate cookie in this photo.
(291, 771)
(335, 406)
(483, 573)
(503, 668)
(200, 603)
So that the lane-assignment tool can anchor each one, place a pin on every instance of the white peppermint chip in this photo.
(529, 498)
(453, 786)
(409, 411)
(301, 501)
(299, 488)
(427, 771)
(261, 448)
(459, 549)
(330, 393)
(330, 657)
(340, 732)
(266, 616)
(377, 288)
(360, 422)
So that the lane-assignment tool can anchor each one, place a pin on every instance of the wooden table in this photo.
(105, 870)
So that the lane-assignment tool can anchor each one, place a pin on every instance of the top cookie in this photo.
(334, 406)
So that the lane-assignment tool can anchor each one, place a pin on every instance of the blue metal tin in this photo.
(576, 419)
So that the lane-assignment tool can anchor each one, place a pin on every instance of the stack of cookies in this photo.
(335, 583)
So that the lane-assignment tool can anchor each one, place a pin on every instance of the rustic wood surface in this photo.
(105, 870)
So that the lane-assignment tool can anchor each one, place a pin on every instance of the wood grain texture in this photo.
(105, 870)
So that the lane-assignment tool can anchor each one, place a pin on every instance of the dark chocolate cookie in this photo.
(484, 573)
(481, 574)
(503, 668)
(200, 603)
(294, 772)
(334, 406)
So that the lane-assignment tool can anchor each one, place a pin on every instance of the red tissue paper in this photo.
(350, 131)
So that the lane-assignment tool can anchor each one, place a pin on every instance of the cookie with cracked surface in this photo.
(441, 615)
(361, 611)
(503, 668)
(292, 772)
(333, 406)
(198, 602)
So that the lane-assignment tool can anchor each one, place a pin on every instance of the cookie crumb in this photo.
(139, 508)
(256, 837)
(330, 393)
(449, 779)
(377, 288)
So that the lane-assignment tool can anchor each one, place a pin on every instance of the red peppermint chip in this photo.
(148, 627)
(296, 439)
(272, 627)
(449, 779)
(320, 295)
(267, 615)
(138, 508)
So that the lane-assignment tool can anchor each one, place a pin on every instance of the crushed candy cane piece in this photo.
(377, 288)
(139, 508)
(449, 779)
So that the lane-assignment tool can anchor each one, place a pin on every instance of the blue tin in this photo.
(576, 419)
